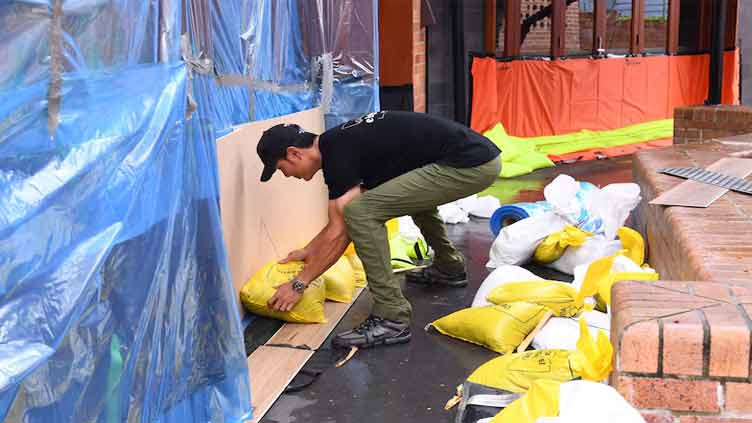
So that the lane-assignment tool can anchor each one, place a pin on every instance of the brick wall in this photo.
(682, 348)
(539, 39)
(419, 61)
(698, 124)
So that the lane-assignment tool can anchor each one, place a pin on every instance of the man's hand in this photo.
(285, 298)
(297, 255)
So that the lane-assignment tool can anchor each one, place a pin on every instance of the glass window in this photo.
(579, 27)
(655, 34)
(500, 19)
(618, 25)
(536, 28)
(689, 25)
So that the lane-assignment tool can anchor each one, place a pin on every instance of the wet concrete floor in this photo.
(411, 382)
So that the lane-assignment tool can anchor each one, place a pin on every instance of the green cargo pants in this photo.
(416, 193)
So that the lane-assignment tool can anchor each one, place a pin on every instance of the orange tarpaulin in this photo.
(536, 98)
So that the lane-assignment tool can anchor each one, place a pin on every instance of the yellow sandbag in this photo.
(551, 248)
(542, 400)
(261, 287)
(501, 328)
(404, 251)
(599, 278)
(559, 297)
(392, 227)
(632, 241)
(339, 281)
(517, 372)
(358, 272)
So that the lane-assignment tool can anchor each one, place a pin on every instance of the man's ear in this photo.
(294, 152)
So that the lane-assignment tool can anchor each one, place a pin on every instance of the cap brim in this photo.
(267, 173)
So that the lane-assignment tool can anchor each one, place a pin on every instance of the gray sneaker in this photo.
(374, 331)
(433, 276)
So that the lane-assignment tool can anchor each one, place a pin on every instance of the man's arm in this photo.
(321, 253)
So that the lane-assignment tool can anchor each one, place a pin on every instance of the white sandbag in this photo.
(467, 203)
(562, 333)
(593, 249)
(452, 213)
(582, 401)
(408, 229)
(485, 207)
(503, 274)
(561, 193)
(517, 242)
(621, 264)
(612, 204)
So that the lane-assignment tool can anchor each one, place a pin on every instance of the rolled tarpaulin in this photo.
(510, 213)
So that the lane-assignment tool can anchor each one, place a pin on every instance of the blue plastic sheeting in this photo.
(274, 53)
(228, 105)
(116, 302)
(282, 40)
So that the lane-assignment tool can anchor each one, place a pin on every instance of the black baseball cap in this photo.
(274, 142)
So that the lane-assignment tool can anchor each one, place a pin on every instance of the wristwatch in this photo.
(298, 286)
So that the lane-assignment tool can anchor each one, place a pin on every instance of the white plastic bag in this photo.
(561, 193)
(517, 242)
(562, 333)
(612, 204)
(502, 274)
(582, 401)
(485, 207)
(593, 249)
(452, 213)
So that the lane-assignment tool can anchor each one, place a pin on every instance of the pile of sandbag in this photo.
(568, 325)
(576, 224)
(339, 284)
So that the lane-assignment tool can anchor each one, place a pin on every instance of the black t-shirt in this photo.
(379, 146)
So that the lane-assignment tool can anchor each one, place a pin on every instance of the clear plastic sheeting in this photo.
(303, 53)
(116, 302)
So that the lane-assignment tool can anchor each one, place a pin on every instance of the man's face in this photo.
(297, 164)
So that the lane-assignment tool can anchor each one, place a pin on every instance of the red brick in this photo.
(670, 394)
(738, 397)
(658, 417)
(713, 419)
(683, 344)
(638, 348)
(729, 341)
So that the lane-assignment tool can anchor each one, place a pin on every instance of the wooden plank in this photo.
(512, 28)
(705, 24)
(599, 26)
(697, 194)
(489, 27)
(271, 369)
(558, 18)
(258, 222)
(674, 17)
(313, 335)
(636, 40)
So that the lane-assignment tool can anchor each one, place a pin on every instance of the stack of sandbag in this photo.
(339, 284)
(578, 224)
(573, 344)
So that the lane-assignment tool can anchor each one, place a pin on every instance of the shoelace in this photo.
(368, 324)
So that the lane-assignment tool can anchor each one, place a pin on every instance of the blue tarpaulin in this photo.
(116, 302)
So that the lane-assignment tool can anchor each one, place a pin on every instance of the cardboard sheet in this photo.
(265, 221)
(697, 194)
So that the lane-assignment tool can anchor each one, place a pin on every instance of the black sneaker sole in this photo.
(437, 282)
(386, 342)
